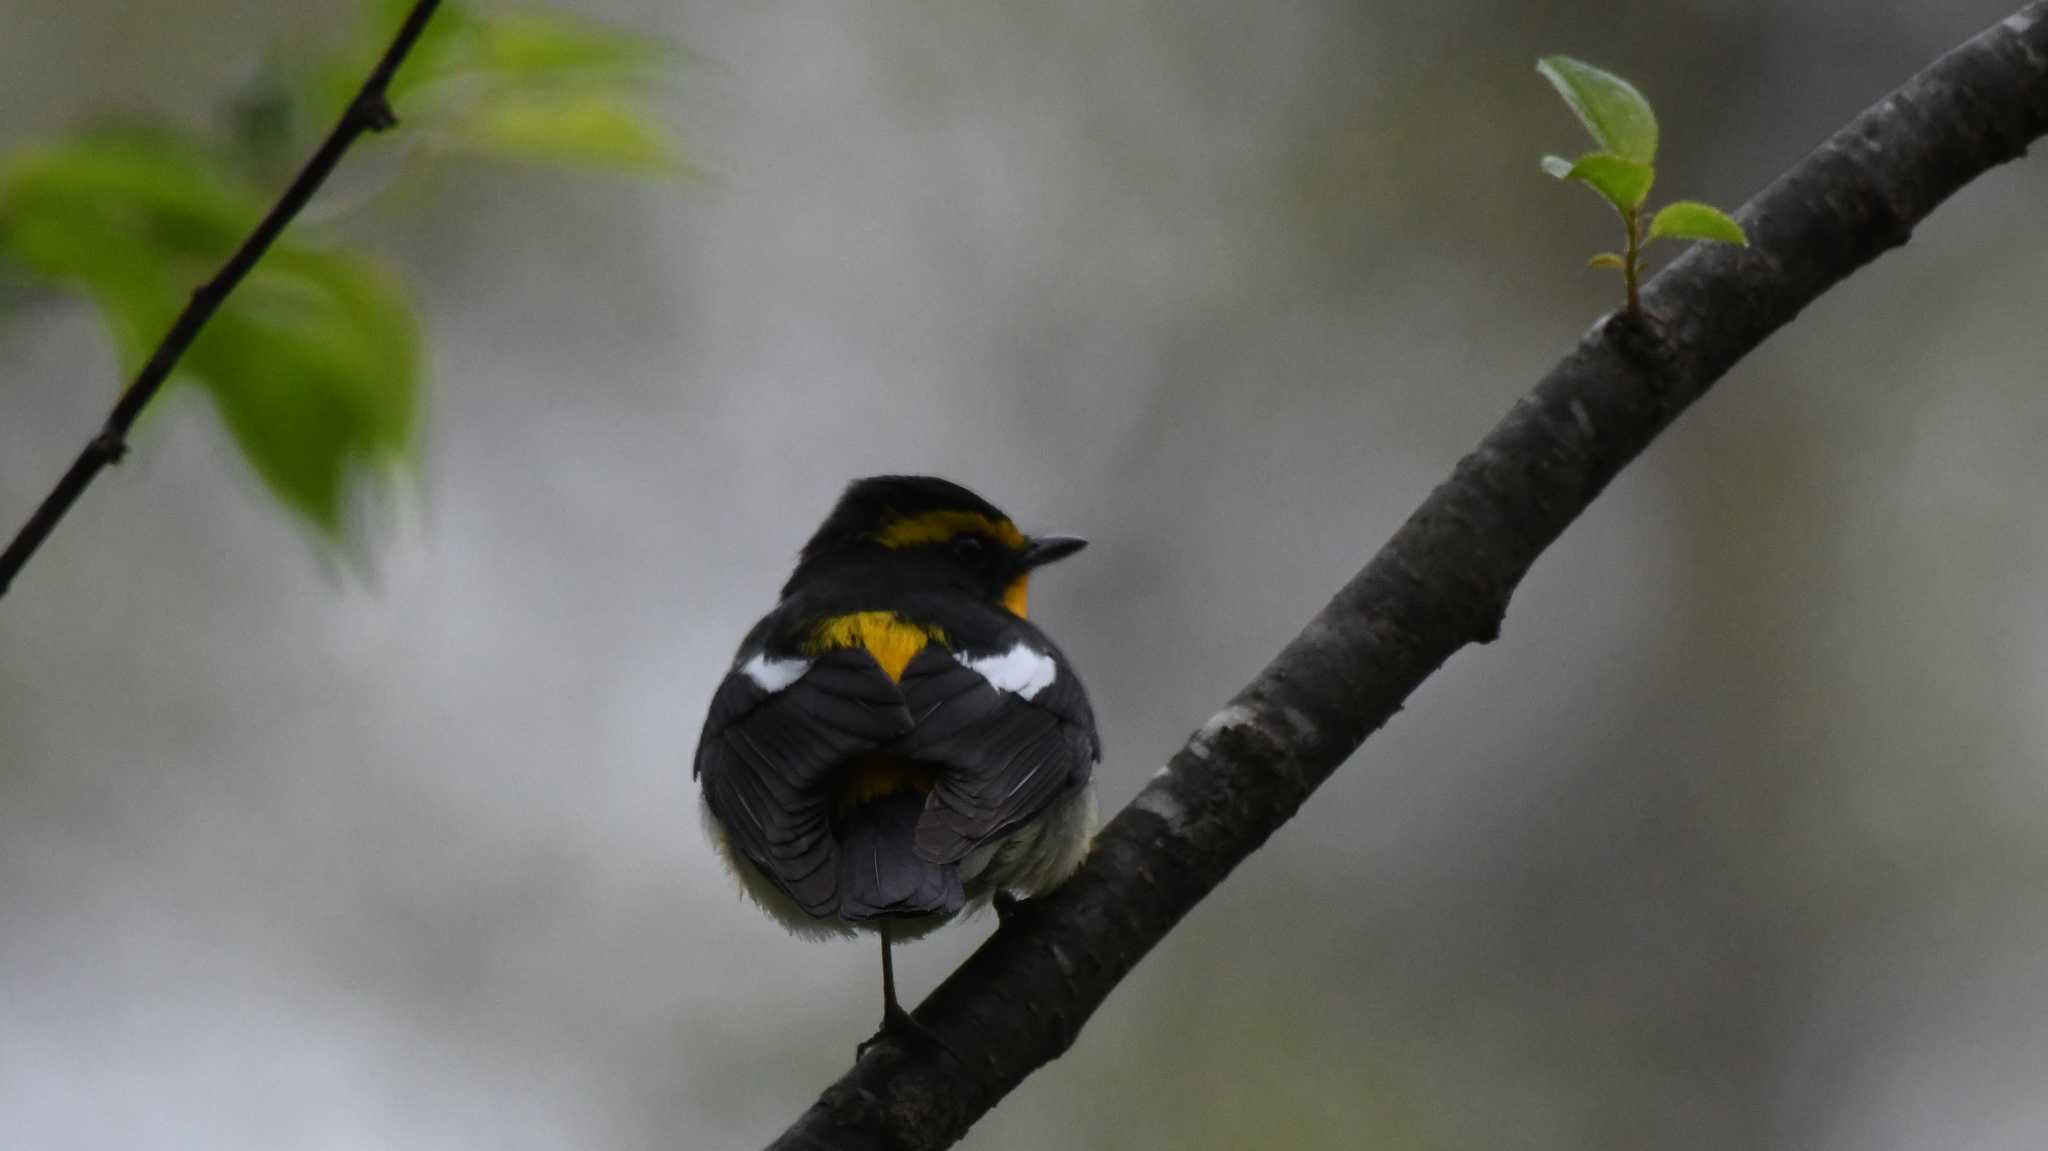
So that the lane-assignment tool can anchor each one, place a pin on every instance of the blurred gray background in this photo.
(1735, 839)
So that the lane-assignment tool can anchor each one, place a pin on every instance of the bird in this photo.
(896, 744)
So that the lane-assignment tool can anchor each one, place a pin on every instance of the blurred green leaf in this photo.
(313, 362)
(135, 220)
(539, 45)
(448, 39)
(1691, 220)
(1618, 117)
(1622, 183)
(590, 129)
(314, 366)
(535, 87)
(163, 189)
(1608, 260)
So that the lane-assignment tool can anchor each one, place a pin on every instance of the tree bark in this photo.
(1443, 581)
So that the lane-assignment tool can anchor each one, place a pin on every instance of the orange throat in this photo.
(892, 640)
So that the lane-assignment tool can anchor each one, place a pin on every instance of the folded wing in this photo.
(1011, 732)
(777, 732)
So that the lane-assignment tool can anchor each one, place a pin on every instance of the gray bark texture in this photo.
(1443, 581)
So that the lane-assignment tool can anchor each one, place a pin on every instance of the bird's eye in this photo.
(968, 546)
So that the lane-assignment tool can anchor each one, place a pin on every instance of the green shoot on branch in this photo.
(1623, 125)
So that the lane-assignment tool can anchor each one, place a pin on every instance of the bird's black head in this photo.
(930, 532)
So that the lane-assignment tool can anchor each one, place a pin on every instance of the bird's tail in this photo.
(881, 874)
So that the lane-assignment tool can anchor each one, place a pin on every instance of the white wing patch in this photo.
(772, 675)
(1021, 670)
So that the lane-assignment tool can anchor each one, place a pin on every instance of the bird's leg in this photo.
(893, 1014)
(896, 1022)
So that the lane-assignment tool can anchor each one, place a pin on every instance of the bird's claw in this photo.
(900, 1028)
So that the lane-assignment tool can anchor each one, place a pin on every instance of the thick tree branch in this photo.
(370, 111)
(1442, 582)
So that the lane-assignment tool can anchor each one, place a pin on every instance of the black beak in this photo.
(1043, 550)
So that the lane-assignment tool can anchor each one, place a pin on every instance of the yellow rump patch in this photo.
(891, 639)
(938, 527)
(876, 774)
(1017, 596)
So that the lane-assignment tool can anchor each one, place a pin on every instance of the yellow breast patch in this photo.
(891, 639)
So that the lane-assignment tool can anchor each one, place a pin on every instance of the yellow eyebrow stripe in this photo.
(892, 640)
(938, 527)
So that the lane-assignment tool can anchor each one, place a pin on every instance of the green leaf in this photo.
(314, 368)
(133, 220)
(1557, 166)
(537, 46)
(536, 87)
(1608, 260)
(444, 48)
(313, 362)
(1618, 117)
(588, 129)
(509, 49)
(157, 188)
(1622, 183)
(1691, 220)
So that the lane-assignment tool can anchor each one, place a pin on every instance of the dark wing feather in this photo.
(1004, 759)
(766, 763)
(880, 875)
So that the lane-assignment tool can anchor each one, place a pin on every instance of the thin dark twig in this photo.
(370, 111)
(1441, 583)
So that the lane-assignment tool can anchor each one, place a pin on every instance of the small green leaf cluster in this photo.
(534, 86)
(1622, 123)
(315, 362)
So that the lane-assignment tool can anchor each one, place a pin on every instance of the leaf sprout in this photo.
(1622, 123)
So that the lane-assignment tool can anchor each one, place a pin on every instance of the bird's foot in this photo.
(899, 1028)
(1008, 907)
